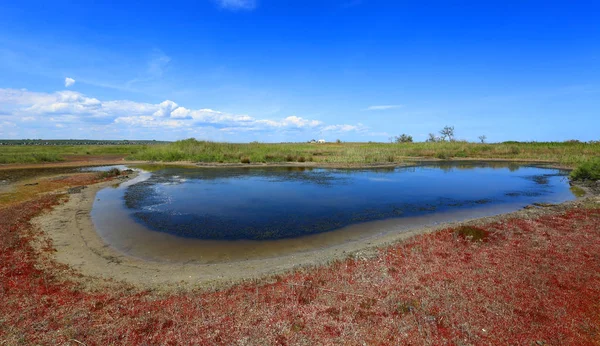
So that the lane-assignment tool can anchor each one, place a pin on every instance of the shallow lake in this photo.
(221, 214)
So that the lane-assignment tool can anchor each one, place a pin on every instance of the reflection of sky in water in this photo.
(272, 203)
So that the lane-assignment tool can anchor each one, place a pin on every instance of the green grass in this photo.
(55, 153)
(588, 170)
(569, 154)
(578, 191)
(29, 157)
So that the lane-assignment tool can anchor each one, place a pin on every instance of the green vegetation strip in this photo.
(55, 153)
(566, 153)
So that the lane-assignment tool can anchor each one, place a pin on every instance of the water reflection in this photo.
(288, 202)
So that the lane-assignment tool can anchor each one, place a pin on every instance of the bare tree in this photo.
(447, 133)
(432, 138)
(482, 138)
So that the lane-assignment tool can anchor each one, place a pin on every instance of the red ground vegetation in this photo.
(34, 188)
(527, 282)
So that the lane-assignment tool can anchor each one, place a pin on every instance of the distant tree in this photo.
(338, 141)
(482, 138)
(403, 138)
(432, 138)
(447, 133)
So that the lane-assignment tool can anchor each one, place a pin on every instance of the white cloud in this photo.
(345, 128)
(70, 107)
(236, 5)
(69, 82)
(292, 121)
(383, 107)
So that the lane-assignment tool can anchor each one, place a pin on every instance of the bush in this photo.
(589, 170)
(442, 156)
(113, 172)
(404, 138)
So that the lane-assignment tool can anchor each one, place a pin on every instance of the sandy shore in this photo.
(78, 245)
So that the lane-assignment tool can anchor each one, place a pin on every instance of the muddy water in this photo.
(218, 215)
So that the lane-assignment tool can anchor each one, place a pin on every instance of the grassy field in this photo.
(566, 153)
(55, 153)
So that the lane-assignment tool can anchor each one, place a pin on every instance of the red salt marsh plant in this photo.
(26, 191)
(531, 282)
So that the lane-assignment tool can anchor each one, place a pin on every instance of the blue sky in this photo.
(274, 70)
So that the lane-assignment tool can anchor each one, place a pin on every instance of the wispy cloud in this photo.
(156, 66)
(72, 108)
(345, 128)
(69, 82)
(237, 5)
(383, 107)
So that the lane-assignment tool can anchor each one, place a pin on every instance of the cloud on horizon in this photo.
(237, 5)
(70, 108)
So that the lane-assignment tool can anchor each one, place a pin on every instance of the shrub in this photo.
(245, 160)
(404, 138)
(301, 159)
(113, 172)
(589, 170)
(442, 156)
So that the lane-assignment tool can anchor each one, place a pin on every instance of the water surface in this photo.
(233, 213)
